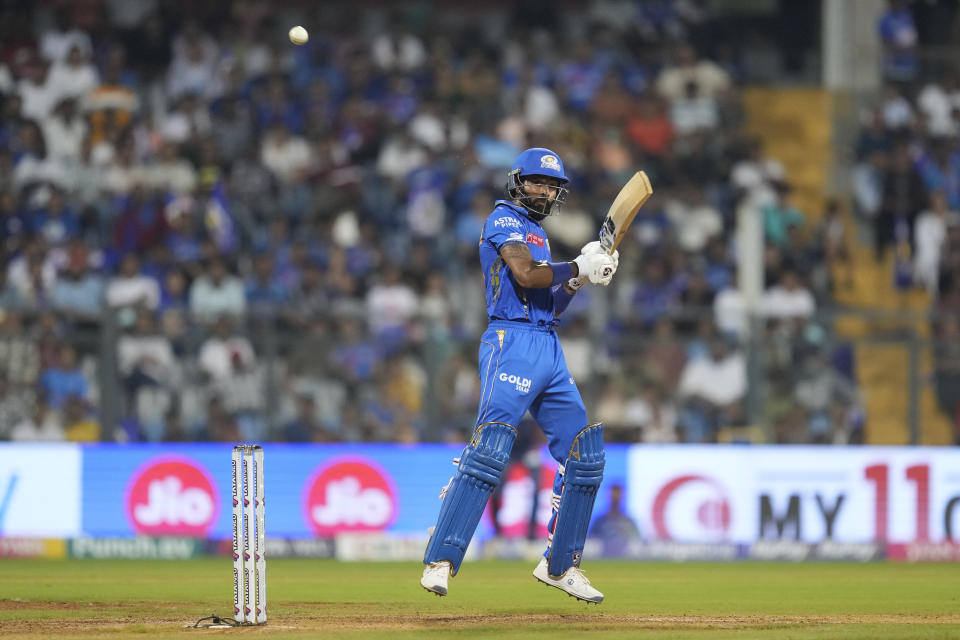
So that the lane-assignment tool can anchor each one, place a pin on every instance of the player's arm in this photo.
(531, 274)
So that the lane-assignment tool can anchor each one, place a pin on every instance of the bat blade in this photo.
(624, 209)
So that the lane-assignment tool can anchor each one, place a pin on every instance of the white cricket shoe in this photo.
(435, 577)
(572, 581)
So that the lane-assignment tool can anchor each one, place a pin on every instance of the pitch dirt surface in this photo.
(322, 598)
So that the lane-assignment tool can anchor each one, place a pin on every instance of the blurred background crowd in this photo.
(207, 233)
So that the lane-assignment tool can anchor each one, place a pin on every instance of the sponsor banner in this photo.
(848, 552)
(378, 547)
(924, 552)
(803, 494)
(33, 548)
(39, 490)
(682, 552)
(282, 548)
(825, 551)
(305, 548)
(310, 491)
(136, 548)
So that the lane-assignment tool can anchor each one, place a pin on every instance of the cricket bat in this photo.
(623, 210)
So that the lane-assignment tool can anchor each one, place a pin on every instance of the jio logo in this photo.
(172, 496)
(350, 494)
(691, 508)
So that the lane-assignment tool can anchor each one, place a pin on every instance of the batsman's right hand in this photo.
(592, 248)
(597, 267)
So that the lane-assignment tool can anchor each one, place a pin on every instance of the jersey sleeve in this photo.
(503, 226)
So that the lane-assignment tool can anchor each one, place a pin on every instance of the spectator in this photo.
(649, 128)
(946, 351)
(755, 176)
(930, 235)
(65, 132)
(64, 379)
(833, 238)
(789, 299)
(898, 35)
(111, 105)
(75, 76)
(241, 388)
(391, 303)
(41, 425)
(305, 427)
(224, 350)
(32, 274)
(694, 220)
(265, 295)
(13, 407)
(38, 94)
(395, 48)
(937, 103)
(193, 68)
(288, 157)
(56, 43)
(171, 173)
(654, 414)
(144, 355)
(903, 196)
(614, 529)
(703, 77)
(131, 288)
(820, 390)
(216, 292)
(779, 216)
(868, 188)
(79, 292)
(79, 425)
(53, 220)
(712, 391)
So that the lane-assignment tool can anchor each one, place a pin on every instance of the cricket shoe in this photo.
(435, 577)
(572, 581)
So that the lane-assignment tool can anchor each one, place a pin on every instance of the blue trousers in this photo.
(522, 367)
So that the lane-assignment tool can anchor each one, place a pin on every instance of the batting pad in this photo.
(582, 475)
(479, 472)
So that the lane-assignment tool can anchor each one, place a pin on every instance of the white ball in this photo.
(299, 35)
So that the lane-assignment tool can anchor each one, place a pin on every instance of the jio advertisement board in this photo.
(674, 493)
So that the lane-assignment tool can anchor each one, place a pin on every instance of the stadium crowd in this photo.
(207, 233)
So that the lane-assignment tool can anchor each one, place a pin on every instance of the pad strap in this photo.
(479, 472)
(582, 475)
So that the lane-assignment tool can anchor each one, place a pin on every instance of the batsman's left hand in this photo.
(596, 247)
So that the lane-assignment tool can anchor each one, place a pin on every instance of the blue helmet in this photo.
(540, 162)
(533, 162)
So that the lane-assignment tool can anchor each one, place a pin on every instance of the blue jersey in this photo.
(507, 300)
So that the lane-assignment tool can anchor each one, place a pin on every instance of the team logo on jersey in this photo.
(522, 384)
(507, 221)
(533, 238)
(550, 162)
(515, 237)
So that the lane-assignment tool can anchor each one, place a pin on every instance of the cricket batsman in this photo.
(522, 368)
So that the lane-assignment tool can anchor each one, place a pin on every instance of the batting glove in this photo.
(597, 267)
(592, 248)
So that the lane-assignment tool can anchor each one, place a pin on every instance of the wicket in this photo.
(249, 560)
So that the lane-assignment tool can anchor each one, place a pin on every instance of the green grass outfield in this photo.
(329, 599)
